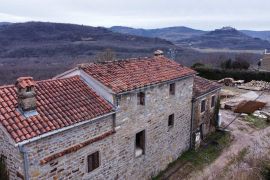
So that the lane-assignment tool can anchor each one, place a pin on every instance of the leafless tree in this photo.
(107, 55)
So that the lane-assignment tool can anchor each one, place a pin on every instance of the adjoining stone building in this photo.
(265, 62)
(205, 99)
(115, 120)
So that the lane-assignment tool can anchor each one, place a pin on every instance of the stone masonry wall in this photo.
(206, 117)
(14, 159)
(163, 144)
(72, 165)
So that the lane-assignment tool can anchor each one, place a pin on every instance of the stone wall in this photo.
(73, 165)
(163, 144)
(207, 117)
(266, 62)
(14, 159)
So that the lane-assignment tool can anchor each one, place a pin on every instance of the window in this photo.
(203, 106)
(3, 167)
(172, 89)
(140, 143)
(92, 161)
(171, 120)
(141, 98)
(28, 89)
(213, 101)
(3, 158)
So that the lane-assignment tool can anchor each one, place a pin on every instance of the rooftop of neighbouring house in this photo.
(125, 75)
(202, 86)
(60, 103)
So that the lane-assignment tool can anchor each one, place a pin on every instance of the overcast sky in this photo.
(200, 14)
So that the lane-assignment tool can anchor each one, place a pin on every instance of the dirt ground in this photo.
(256, 141)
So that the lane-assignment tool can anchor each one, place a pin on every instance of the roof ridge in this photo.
(51, 79)
(42, 81)
(118, 60)
(6, 86)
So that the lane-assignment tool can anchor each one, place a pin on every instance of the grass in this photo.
(237, 159)
(256, 121)
(203, 156)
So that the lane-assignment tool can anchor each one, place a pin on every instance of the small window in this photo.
(172, 89)
(92, 161)
(171, 120)
(140, 143)
(3, 167)
(213, 101)
(28, 89)
(203, 106)
(141, 98)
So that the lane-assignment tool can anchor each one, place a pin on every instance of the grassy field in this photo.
(256, 122)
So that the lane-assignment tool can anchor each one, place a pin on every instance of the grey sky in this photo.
(200, 14)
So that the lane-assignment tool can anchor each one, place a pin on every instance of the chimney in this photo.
(158, 53)
(26, 94)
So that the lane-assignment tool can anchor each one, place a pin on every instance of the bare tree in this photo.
(107, 55)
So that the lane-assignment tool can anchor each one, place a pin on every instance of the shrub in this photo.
(217, 74)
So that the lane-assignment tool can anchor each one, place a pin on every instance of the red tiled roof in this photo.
(60, 103)
(202, 86)
(125, 75)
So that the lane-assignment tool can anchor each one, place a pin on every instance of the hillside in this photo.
(171, 33)
(258, 34)
(44, 49)
(180, 33)
(228, 38)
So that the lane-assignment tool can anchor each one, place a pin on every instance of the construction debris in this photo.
(225, 94)
(230, 82)
(259, 114)
(230, 105)
(256, 85)
(267, 114)
(249, 107)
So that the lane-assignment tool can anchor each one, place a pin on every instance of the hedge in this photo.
(247, 75)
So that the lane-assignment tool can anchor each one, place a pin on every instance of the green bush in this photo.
(217, 74)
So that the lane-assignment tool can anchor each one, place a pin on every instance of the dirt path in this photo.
(245, 136)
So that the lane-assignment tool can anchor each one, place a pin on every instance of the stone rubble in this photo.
(259, 85)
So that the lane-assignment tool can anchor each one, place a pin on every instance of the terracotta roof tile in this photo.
(202, 86)
(125, 75)
(60, 103)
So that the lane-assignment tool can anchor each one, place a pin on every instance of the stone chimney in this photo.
(26, 94)
(158, 53)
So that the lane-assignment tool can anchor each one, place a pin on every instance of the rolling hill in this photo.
(225, 38)
(258, 34)
(184, 35)
(43, 49)
(171, 33)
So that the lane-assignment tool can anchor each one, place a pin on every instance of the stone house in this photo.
(265, 62)
(114, 120)
(205, 99)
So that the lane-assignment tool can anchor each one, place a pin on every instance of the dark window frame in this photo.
(213, 101)
(93, 161)
(141, 98)
(172, 89)
(28, 89)
(203, 105)
(171, 120)
(140, 141)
